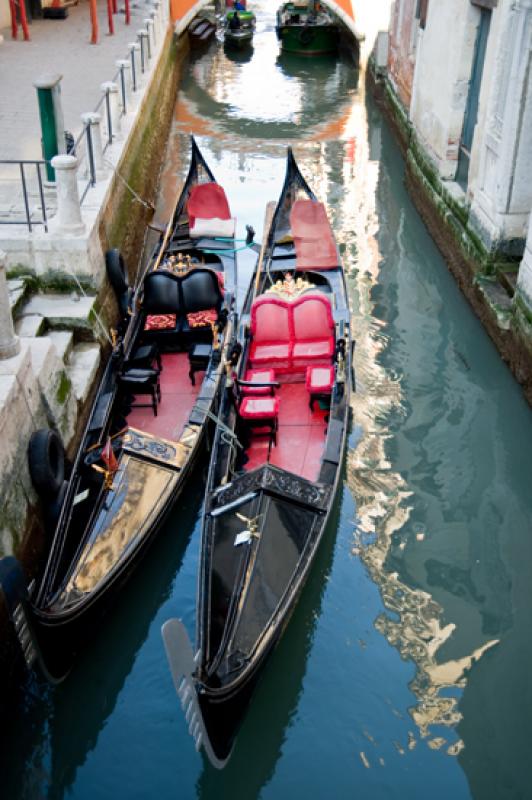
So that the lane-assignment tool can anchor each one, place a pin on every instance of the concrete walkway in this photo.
(59, 46)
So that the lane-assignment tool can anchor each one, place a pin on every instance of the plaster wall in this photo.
(500, 187)
(404, 28)
(524, 280)
(442, 73)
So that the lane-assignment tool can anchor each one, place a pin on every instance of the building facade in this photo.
(458, 81)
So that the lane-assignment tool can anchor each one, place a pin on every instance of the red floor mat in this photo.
(177, 398)
(300, 439)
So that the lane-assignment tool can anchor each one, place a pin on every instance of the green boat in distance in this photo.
(240, 34)
(307, 28)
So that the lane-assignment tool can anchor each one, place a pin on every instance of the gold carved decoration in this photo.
(290, 288)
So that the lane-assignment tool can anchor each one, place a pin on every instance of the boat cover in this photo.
(313, 237)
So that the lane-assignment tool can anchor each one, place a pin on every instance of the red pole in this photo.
(23, 20)
(110, 17)
(94, 22)
(128, 15)
(115, 7)
(14, 26)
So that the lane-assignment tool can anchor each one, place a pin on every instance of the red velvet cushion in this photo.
(199, 319)
(270, 320)
(319, 380)
(265, 353)
(160, 322)
(259, 407)
(259, 376)
(207, 201)
(311, 350)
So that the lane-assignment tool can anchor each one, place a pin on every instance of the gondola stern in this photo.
(183, 663)
(15, 594)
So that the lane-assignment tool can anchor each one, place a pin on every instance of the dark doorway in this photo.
(471, 110)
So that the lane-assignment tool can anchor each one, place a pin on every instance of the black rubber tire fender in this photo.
(116, 271)
(46, 460)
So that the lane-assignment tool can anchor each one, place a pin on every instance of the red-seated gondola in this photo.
(275, 467)
(144, 433)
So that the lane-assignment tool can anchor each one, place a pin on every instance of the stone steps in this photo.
(58, 329)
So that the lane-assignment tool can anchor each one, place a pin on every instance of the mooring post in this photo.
(94, 119)
(124, 65)
(149, 36)
(9, 342)
(68, 219)
(134, 49)
(114, 127)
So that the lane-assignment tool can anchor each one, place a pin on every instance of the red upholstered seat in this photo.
(313, 330)
(319, 380)
(259, 408)
(207, 201)
(258, 376)
(271, 331)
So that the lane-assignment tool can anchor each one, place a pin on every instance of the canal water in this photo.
(405, 670)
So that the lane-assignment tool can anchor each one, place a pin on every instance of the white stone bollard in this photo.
(68, 218)
(93, 120)
(134, 55)
(9, 343)
(111, 89)
(124, 65)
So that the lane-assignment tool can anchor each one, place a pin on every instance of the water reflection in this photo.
(60, 725)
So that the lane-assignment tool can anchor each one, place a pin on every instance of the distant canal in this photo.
(405, 671)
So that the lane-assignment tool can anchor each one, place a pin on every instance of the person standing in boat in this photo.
(239, 6)
(234, 21)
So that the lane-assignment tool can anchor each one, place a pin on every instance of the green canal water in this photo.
(405, 670)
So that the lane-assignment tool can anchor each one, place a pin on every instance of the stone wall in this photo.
(475, 267)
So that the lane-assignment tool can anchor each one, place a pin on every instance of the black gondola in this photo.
(160, 388)
(275, 467)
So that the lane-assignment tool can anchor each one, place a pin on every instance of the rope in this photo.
(83, 292)
(227, 436)
(137, 197)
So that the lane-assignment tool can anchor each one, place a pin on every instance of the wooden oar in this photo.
(270, 210)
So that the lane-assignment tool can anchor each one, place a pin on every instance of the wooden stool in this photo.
(198, 357)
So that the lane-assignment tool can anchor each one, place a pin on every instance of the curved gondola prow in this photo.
(183, 663)
(292, 175)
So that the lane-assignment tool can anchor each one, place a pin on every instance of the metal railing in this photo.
(83, 146)
(30, 219)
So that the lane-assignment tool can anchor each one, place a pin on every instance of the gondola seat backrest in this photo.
(290, 335)
(200, 290)
(180, 295)
(271, 331)
(208, 211)
(161, 293)
(314, 329)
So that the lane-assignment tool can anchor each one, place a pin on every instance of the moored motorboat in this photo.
(145, 430)
(239, 28)
(307, 28)
(201, 31)
(275, 466)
